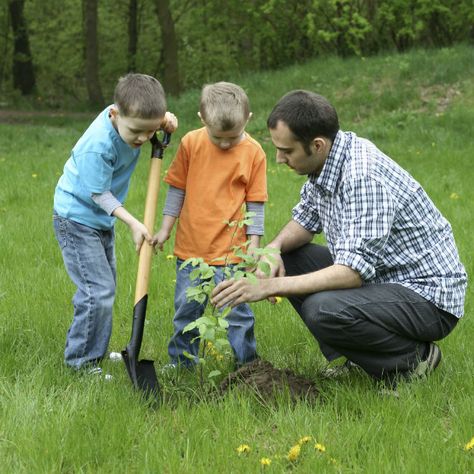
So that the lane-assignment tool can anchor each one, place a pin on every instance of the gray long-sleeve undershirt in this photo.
(174, 203)
(106, 201)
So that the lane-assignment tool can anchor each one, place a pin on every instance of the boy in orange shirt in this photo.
(217, 169)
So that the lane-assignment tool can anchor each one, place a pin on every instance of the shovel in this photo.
(142, 372)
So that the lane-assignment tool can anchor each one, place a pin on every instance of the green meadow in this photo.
(419, 109)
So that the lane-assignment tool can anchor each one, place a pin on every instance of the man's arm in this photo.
(234, 292)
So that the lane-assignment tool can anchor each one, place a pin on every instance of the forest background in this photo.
(69, 53)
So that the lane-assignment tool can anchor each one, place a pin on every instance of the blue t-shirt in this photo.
(100, 161)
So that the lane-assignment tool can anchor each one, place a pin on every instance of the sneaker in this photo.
(341, 370)
(115, 356)
(426, 366)
(94, 371)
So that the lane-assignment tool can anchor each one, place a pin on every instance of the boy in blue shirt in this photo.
(89, 198)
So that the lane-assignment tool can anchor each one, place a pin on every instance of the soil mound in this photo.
(267, 381)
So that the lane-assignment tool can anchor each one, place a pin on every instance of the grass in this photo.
(418, 108)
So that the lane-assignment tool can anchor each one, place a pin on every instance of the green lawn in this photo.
(419, 109)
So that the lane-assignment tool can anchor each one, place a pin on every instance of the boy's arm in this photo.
(138, 229)
(113, 207)
(171, 211)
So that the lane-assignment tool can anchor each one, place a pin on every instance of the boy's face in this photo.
(229, 138)
(133, 130)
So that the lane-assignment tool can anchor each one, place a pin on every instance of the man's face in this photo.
(292, 153)
(133, 130)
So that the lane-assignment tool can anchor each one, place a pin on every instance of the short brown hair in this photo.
(141, 96)
(224, 105)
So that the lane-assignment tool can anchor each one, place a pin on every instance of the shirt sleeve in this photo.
(257, 226)
(106, 201)
(174, 202)
(256, 189)
(305, 213)
(178, 171)
(367, 217)
(96, 171)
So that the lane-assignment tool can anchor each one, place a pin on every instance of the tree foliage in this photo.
(189, 42)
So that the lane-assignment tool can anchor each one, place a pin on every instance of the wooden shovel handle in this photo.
(146, 251)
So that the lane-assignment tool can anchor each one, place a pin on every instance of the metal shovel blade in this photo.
(142, 372)
(143, 375)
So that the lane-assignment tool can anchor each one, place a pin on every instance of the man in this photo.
(389, 282)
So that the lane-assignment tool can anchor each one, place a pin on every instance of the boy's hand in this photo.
(160, 238)
(139, 234)
(169, 123)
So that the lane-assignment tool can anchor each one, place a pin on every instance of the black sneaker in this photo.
(427, 365)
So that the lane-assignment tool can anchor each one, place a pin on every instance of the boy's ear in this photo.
(250, 116)
(113, 111)
(200, 116)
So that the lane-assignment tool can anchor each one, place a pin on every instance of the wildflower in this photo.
(169, 257)
(278, 299)
(454, 196)
(243, 448)
(265, 462)
(34, 175)
(294, 453)
(304, 439)
(469, 445)
(320, 447)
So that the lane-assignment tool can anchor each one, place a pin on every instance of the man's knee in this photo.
(325, 312)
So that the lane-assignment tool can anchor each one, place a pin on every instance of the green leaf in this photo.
(190, 326)
(214, 373)
(223, 323)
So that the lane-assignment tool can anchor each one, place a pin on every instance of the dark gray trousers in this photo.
(384, 328)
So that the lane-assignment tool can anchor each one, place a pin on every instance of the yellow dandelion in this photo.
(34, 175)
(320, 447)
(243, 448)
(304, 439)
(265, 462)
(278, 299)
(469, 445)
(294, 453)
(169, 257)
(454, 196)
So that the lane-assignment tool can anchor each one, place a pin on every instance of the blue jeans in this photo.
(89, 258)
(240, 332)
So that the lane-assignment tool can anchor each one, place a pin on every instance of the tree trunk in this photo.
(92, 52)
(23, 71)
(170, 67)
(132, 34)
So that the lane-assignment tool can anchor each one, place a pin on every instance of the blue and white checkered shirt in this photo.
(379, 221)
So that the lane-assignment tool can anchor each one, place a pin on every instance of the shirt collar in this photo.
(331, 171)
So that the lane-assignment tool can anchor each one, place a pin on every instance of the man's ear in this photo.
(320, 144)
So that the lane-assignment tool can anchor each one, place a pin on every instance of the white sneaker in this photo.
(115, 356)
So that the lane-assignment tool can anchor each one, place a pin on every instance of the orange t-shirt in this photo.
(217, 183)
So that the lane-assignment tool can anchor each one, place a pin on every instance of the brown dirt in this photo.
(267, 381)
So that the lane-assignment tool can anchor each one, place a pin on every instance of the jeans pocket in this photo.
(60, 229)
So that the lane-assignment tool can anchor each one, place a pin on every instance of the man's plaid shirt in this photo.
(379, 221)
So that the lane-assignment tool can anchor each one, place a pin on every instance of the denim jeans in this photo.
(240, 332)
(383, 328)
(89, 258)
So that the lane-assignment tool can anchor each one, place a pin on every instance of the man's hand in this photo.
(234, 292)
(277, 268)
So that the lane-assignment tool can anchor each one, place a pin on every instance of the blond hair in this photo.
(140, 96)
(224, 105)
